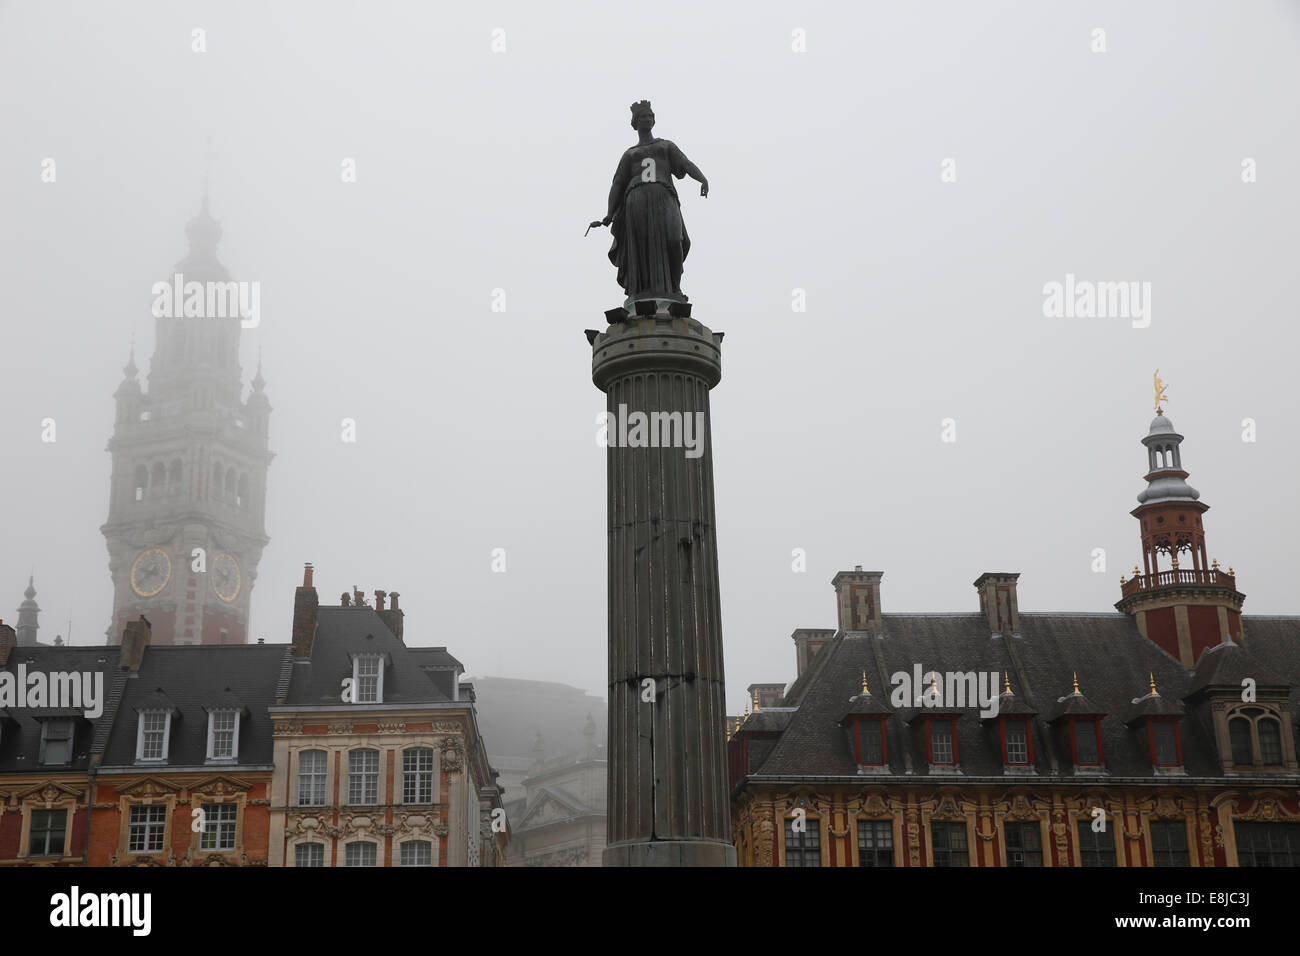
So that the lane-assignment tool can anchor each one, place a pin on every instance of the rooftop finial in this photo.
(864, 682)
(1152, 677)
(1076, 682)
(1006, 682)
(1161, 388)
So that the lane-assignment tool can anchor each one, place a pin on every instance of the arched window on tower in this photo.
(214, 491)
(230, 485)
(174, 477)
(157, 480)
(241, 498)
(141, 481)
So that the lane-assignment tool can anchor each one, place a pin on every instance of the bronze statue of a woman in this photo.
(645, 218)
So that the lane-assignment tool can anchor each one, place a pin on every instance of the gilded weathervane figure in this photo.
(645, 217)
(1161, 388)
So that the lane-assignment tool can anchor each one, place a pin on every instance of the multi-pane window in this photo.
(1268, 844)
(803, 845)
(1239, 736)
(875, 843)
(223, 724)
(153, 734)
(949, 842)
(218, 826)
(1085, 743)
(311, 778)
(363, 777)
(145, 829)
(368, 667)
(309, 854)
(1164, 735)
(47, 833)
(941, 741)
(417, 775)
(417, 853)
(1270, 741)
(1024, 843)
(869, 737)
(1017, 742)
(360, 853)
(1169, 843)
(56, 742)
(1096, 848)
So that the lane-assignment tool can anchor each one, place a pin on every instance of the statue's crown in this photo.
(642, 106)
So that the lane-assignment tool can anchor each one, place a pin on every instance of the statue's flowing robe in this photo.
(648, 231)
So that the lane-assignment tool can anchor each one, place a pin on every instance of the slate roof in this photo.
(342, 632)
(20, 728)
(191, 679)
(1112, 659)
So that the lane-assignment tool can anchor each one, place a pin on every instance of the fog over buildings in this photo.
(476, 174)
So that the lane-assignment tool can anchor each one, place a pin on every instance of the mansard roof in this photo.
(191, 680)
(20, 727)
(341, 634)
(1114, 663)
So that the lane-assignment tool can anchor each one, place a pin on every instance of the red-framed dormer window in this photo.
(1164, 743)
(1085, 742)
(1017, 742)
(941, 741)
(869, 742)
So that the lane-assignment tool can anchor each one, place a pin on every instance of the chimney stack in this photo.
(998, 600)
(857, 595)
(8, 641)
(135, 638)
(305, 603)
(392, 615)
(808, 641)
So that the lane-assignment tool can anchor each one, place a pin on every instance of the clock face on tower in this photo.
(150, 572)
(225, 577)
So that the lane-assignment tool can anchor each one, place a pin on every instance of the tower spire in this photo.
(28, 612)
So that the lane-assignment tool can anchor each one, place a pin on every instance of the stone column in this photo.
(668, 799)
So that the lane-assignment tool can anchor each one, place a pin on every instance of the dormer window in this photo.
(1085, 742)
(223, 734)
(1017, 744)
(941, 741)
(869, 735)
(1255, 737)
(154, 736)
(368, 678)
(1166, 748)
(56, 742)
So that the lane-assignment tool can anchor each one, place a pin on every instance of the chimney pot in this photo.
(306, 575)
(379, 599)
(135, 638)
(305, 603)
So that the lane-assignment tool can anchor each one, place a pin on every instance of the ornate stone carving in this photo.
(286, 728)
(440, 829)
(391, 727)
(764, 837)
(339, 727)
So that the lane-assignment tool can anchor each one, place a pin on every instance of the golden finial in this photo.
(1121, 579)
(1135, 570)
(1154, 692)
(747, 708)
(756, 702)
(1175, 562)
(1006, 681)
(1161, 388)
(864, 682)
(1231, 572)
(1076, 682)
(1215, 564)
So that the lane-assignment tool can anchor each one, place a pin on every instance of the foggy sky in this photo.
(479, 171)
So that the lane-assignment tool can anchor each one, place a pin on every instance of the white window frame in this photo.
(363, 774)
(324, 776)
(432, 773)
(356, 678)
(139, 739)
(212, 735)
(68, 722)
(374, 846)
(401, 849)
(317, 845)
(147, 827)
(212, 827)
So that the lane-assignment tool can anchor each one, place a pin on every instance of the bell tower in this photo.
(1181, 601)
(187, 505)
